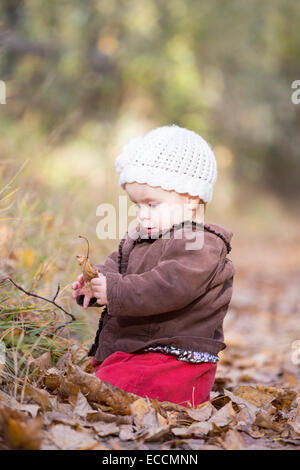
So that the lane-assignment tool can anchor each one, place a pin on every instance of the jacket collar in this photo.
(222, 232)
(219, 230)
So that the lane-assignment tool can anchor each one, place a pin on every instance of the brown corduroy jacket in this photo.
(160, 292)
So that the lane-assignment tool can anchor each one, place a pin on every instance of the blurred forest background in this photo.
(83, 77)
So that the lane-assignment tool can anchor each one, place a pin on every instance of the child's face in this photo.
(159, 209)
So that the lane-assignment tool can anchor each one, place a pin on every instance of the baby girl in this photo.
(167, 288)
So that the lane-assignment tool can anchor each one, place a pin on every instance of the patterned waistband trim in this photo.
(185, 355)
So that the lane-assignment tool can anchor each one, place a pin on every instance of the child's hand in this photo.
(99, 289)
(81, 288)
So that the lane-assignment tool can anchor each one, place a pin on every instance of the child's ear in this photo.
(193, 202)
(196, 205)
(204, 204)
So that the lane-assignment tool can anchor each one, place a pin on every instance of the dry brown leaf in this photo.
(20, 432)
(144, 415)
(196, 444)
(233, 440)
(202, 413)
(283, 398)
(99, 415)
(77, 353)
(8, 400)
(253, 410)
(244, 417)
(129, 432)
(115, 445)
(254, 396)
(69, 390)
(220, 400)
(28, 408)
(38, 395)
(97, 391)
(66, 408)
(15, 405)
(42, 362)
(64, 360)
(52, 378)
(82, 406)
(57, 417)
(295, 421)
(265, 419)
(196, 429)
(99, 446)
(88, 271)
(105, 429)
(66, 438)
(291, 380)
(223, 416)
(155, 434)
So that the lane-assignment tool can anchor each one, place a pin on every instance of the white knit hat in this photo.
(171, 157)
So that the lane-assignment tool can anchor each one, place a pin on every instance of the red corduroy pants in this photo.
(156, 375)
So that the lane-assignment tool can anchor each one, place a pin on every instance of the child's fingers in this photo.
(98, 281)
(79, 282)
(99, 289)
(76, 293)
(81, 291)
(86, 300)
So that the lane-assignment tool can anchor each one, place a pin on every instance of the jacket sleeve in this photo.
(181, 276)
(110, 265)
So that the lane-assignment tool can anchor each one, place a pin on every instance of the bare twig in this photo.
(58, 287)
(40, 297)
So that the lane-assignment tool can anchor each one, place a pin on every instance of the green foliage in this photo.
(223, 69)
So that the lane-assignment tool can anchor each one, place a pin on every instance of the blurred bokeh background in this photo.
(83, 77)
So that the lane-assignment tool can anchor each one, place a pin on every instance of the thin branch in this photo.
(40, 297)
(58, 287)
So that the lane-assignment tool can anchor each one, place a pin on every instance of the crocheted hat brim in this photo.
(157, 177)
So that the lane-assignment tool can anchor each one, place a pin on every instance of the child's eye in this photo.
(150, 204)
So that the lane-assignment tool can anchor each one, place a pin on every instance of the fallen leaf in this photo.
(19, 432)
(82, 406)
(233, 440)
(97, 391)
(42, 362)
(52, 378)
(223, 416)
(202, 413)
(105, 429)
(144, 415)
(295, 421)
(196, 429)
(66, 438)
(38, 395)
(254, 396)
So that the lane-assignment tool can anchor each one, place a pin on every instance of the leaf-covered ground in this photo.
(255, 402)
